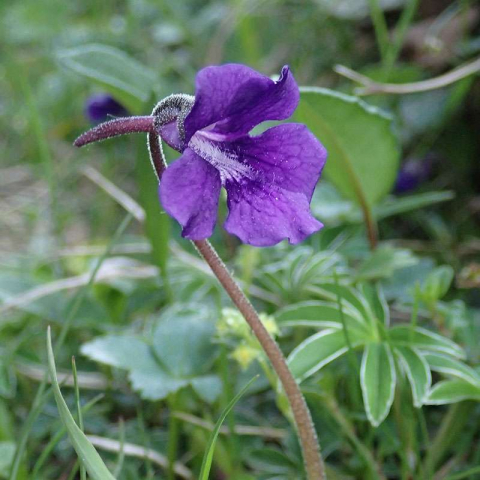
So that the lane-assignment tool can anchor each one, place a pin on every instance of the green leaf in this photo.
(7, 452)
(155, 384)
(271, 461)
(208, 457)
(122, 351)
(182, 340)
(396, 205)
(377, 379)
(451, 367)
(125, 78)
(423, 339)
(350, 297)
(87, 454)
(317, 351)
(437, 284)
(317, 314)
(383, 262)
(150, 377)
(363, 152)
(207, 387)
(452, 391)
(418, 373)
(377, 303)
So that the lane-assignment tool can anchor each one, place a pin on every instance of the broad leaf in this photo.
(452, 391)
(363, 152)
(181, 355)
(451, 367)
(130, 81)
(183, 340)
(122, 351)
(377, 379)
(423, 339)
(418, 373)
(87, 454)
(315, 352)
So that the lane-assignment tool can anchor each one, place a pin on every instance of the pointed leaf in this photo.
(124, 77)
(449, 366)
(418, 373)
(317, 351)
(87, 454)
(377, 379)
(452, 391)
(363, 151)
(317, 314)
(424, 339)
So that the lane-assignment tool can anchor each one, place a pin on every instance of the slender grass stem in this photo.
(173, 436)
(400, 31)
(454, 421)
(380, 26)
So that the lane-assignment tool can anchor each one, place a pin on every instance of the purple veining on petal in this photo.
(263, 215)
(189, 192)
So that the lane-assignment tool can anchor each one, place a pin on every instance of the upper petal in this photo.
(236, 98)
(189, 192)
(263, 215)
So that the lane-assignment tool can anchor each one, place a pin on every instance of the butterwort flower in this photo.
(101, 106)
(269, 178)
(413, 173)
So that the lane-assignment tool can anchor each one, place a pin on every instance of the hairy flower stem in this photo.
(303, 420)
(301, 414)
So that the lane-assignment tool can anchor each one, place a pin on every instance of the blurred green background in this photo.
(56, 218)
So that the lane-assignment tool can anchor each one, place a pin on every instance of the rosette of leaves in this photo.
(363, 323)
(178, 354)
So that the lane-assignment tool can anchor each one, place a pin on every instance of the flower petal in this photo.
(189, 192)
(263, 215)
(237, 98)
(287, 155)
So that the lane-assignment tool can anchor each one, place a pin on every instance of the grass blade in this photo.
(208, 457)
(87, 454)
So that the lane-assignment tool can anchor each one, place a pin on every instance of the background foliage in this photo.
(384, 341)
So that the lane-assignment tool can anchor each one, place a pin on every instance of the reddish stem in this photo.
(114, 128)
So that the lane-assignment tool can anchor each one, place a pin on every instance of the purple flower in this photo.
(269, 178)
(101, 106)
(413, 173)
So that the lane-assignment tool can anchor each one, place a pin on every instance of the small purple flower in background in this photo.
(101, 106)
(413, 173)
(269, 178)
